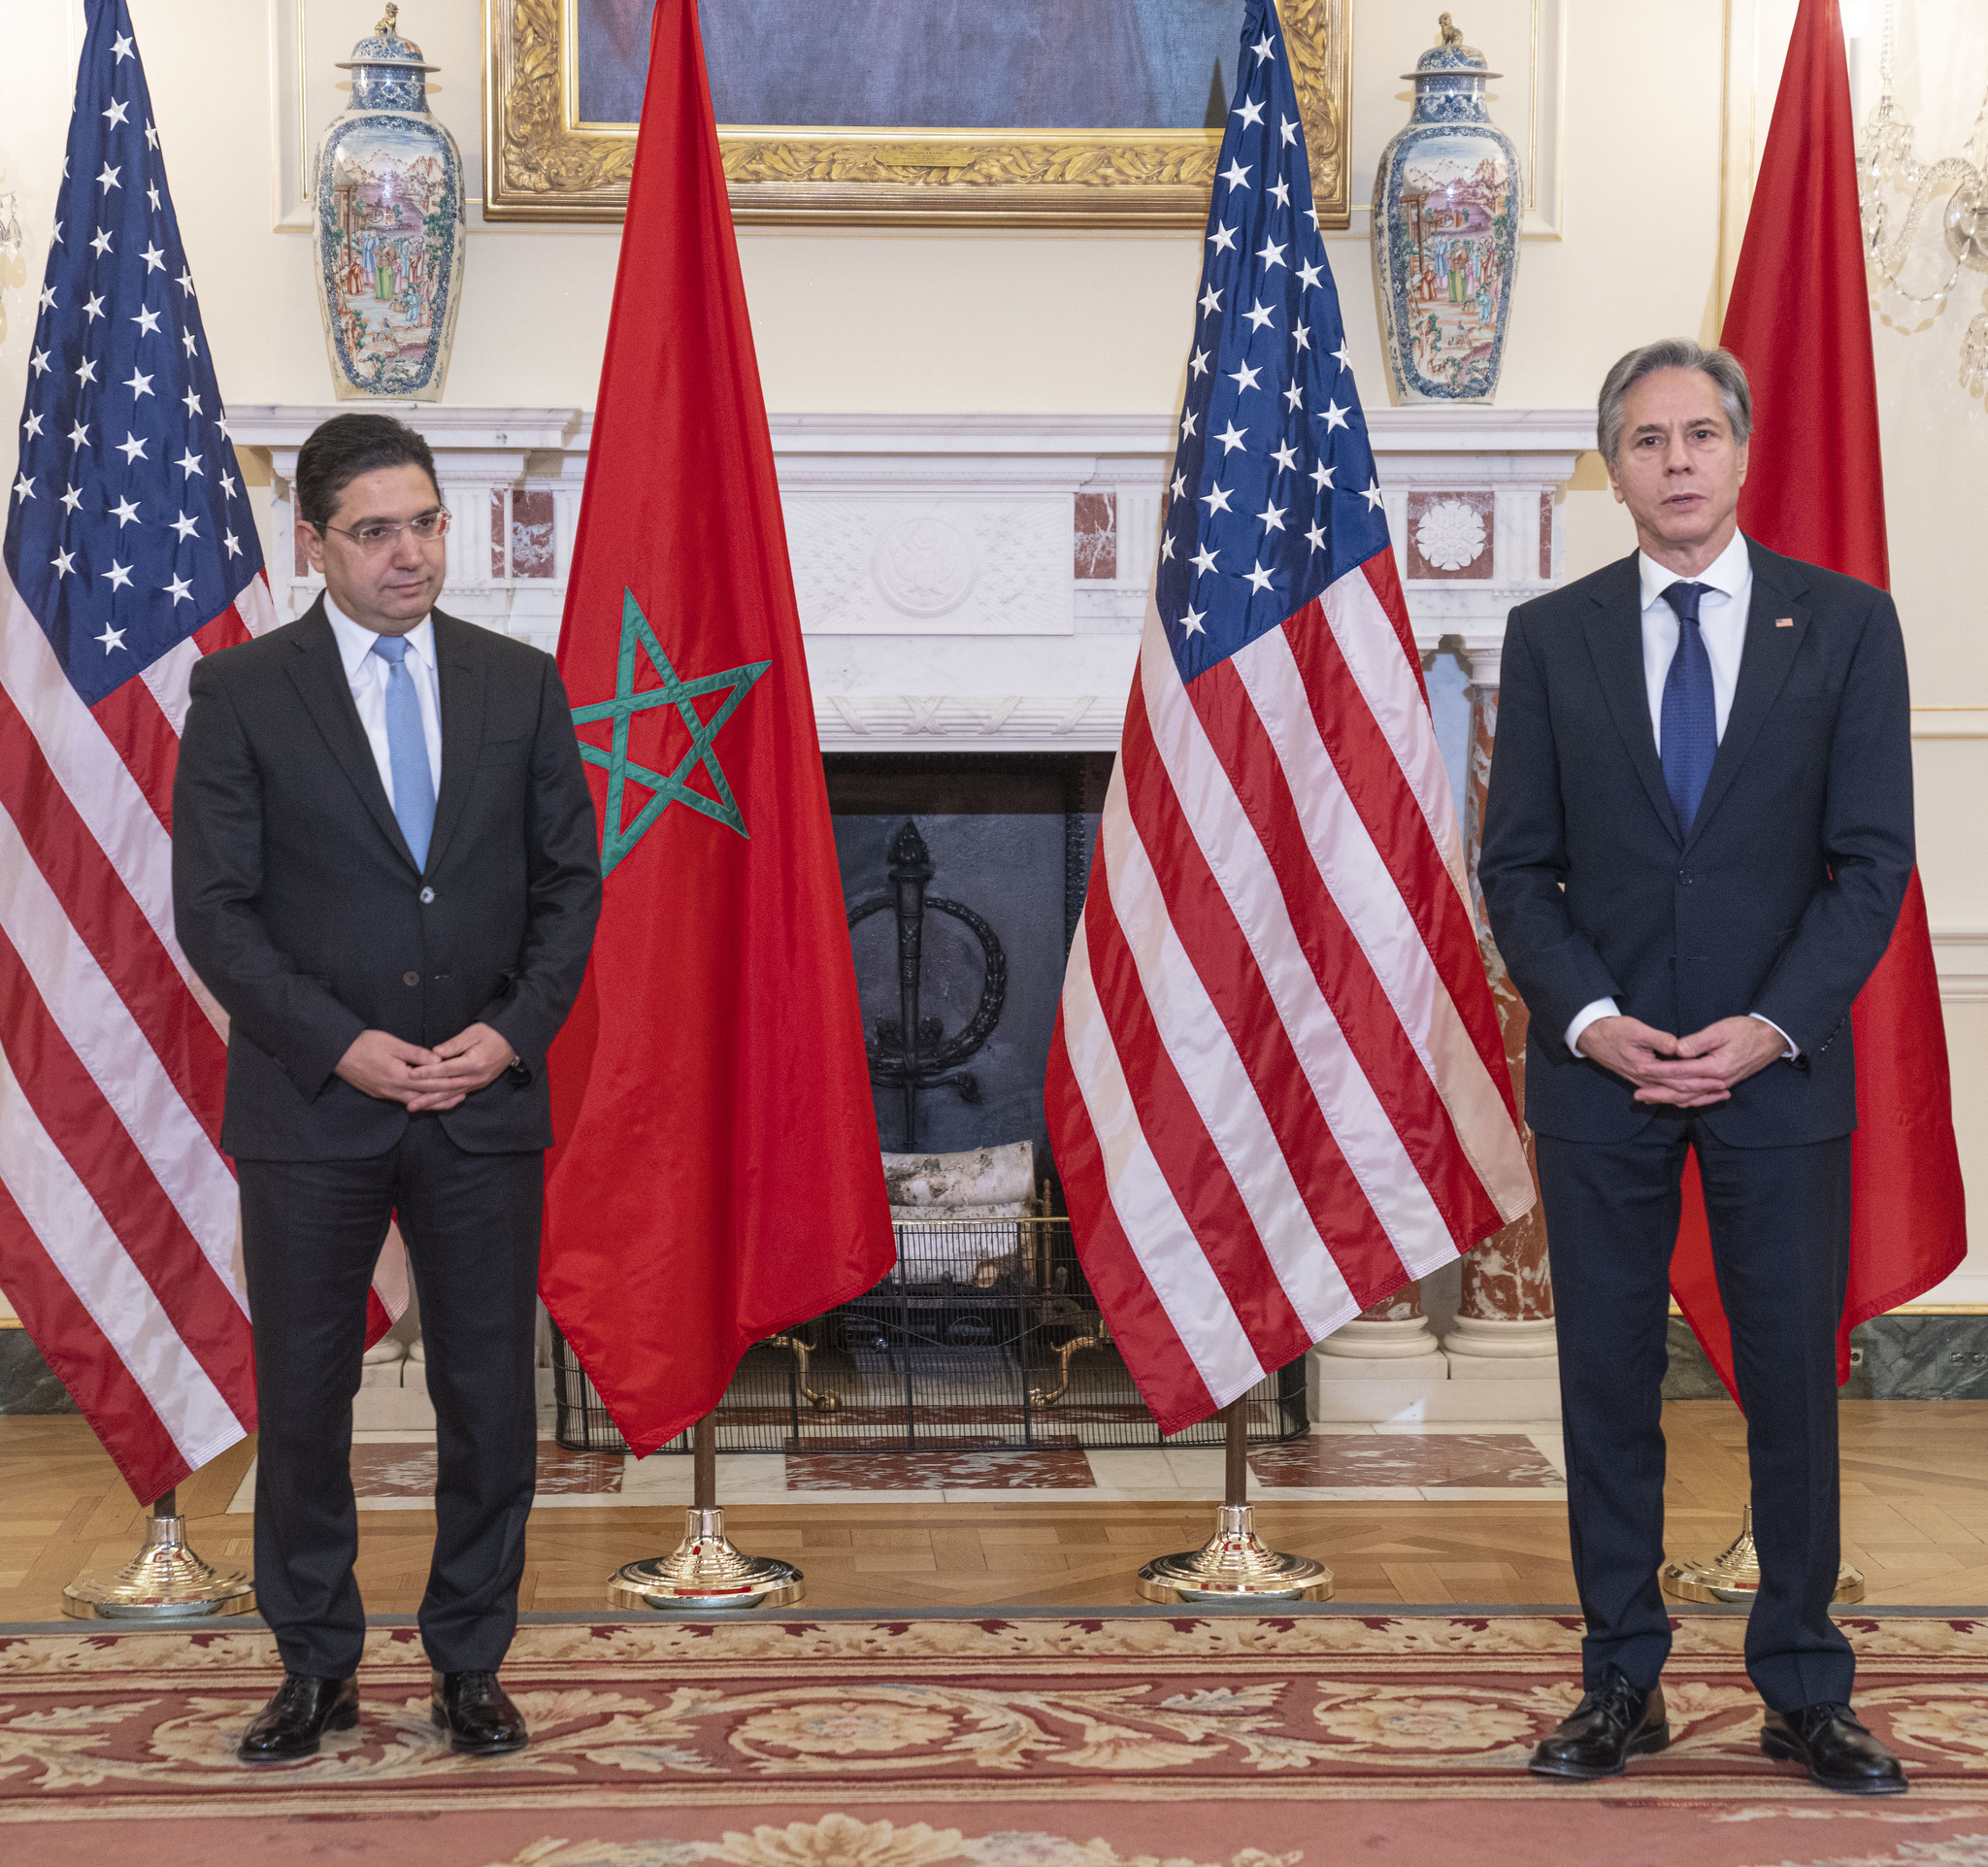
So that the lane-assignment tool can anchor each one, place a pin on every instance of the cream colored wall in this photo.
(854, 320)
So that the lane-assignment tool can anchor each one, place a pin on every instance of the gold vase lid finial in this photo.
(390, 25)
(1449, 57)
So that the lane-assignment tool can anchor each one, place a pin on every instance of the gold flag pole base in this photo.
(1235, 1564)
(1734, 1575)
(165, 1581)
(706, 1570)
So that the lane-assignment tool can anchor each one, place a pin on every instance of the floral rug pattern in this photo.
(842, 1841)
(1078, 1727)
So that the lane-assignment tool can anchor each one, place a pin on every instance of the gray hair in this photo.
(1728, 374)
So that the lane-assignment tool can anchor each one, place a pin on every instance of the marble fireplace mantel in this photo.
(972, 583)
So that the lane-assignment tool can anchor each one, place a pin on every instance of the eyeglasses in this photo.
(379, 534)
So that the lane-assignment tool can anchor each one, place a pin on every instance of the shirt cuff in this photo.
(1586, 1015)
(1793, 1049)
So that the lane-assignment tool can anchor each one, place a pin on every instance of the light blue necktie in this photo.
(407, 750)
(1689, 713)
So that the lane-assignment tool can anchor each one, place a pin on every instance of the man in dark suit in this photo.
(385, 867)
(1697, 836)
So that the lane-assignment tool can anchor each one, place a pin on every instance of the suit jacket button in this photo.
(427, 895)
(411, 979)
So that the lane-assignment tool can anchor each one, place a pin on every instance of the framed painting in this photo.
(951, 112)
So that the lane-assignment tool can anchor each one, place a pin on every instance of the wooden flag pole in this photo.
(705, 1571)
(704, 1464)
(1234, 1457)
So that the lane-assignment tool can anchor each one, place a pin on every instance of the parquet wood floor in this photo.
(1915, 1520)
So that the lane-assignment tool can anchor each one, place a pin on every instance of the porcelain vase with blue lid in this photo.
(392, 227)
(1446, 203)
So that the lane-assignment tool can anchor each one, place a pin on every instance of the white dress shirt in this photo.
(1721, 622)
(368, 674)
(1722, 625)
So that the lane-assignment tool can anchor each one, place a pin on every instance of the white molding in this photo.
(1545, 164)
(934, 554)
(283, 428)
(1485, 430)
(1960, 956)
(1396, 432)
(1965, 1292)
(1950, 722)
(996, 488)
(289, 135)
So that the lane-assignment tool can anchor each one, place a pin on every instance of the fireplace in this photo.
(972, 589)
(964, 877)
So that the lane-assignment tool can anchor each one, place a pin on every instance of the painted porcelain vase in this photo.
(1447, 204)
(391, 228)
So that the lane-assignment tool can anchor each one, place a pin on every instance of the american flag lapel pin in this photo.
(1784, 621)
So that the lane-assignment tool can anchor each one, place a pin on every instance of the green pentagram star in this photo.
(617, 837)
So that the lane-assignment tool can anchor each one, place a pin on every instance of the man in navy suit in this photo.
(1697, 836)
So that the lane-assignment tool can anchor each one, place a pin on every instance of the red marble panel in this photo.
(406, 1468)
(1442, 1461)
(1067, 1470)
(1403, 1306)
(1545, 537)
(531, 533)
(1097, 536)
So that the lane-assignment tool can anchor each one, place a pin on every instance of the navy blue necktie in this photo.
(407, 749)
(1689, 714)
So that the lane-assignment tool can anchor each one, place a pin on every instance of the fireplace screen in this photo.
(984, 1337)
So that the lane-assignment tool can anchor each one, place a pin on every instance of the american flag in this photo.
(130, 552)
(1276, 1088)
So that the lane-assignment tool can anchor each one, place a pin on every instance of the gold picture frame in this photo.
(540, 163)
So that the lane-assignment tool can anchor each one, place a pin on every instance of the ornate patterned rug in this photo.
(1097, 1741)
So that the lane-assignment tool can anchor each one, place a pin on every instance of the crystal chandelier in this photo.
(12, 250)
(1886, 167)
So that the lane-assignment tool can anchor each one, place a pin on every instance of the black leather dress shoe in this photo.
(302, 1710)
(1613, 1723)
(478, 1714)
(1838, 1752)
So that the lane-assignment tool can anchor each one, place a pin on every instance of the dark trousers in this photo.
(1780, 1231)
(310, 1235)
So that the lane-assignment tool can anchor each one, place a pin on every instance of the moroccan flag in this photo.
(716, 1175)
(1799, 318)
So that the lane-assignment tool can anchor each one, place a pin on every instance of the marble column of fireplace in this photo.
(1503, 1325)
(1497, 1360)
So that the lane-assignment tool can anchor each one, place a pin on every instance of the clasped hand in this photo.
(382, 1065)
(1685, 1072)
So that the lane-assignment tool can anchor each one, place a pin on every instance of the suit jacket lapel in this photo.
(461, 672)
(1615, 635)
(319, 672)
(1765, 660)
